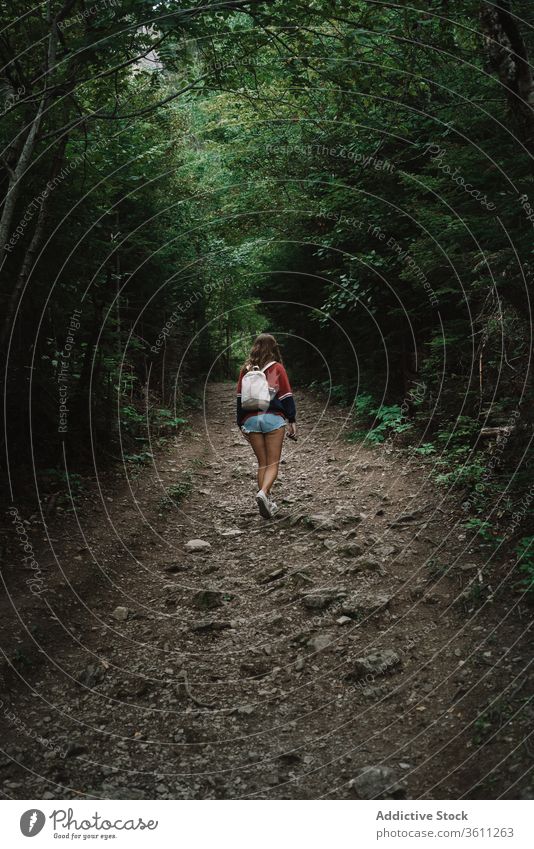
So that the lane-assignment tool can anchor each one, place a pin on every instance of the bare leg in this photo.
(257, 440)
(273, 444)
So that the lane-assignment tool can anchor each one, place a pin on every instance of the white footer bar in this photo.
(269, 824)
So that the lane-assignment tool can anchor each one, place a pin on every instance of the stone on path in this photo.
(365, 601)
(321, 600)
(92, 675)
(320, 642)
(375, 663)
(343, 620)
(365, 563)
(350, 517)
(351, 549)
(75, 749)
(384, 551)
(321, 522)
(378, 782)
(256, 667)
(196, 545)
(300, 578)
(174, 567)
(271, 575)
(120, 614)
(208, 599)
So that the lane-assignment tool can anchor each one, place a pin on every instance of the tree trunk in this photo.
(508, 58)
(33, 247)
(17, 173)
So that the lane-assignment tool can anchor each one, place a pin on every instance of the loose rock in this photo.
(320, 642)
(352, 518)
(172, 568)
(378, 782)
(376, 663)
(343, 620)
(208, 599)
(351, 549)
(365, 601)
(321, 600)
(92, 675)
(384, 551)
(300, 579)
(75, 749)
(271, 575)
(321, 521)
(196, 545)
(366, 563)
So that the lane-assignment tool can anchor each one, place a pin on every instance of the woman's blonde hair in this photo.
(264, 350)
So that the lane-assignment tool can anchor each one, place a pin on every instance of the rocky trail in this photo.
(186, 648)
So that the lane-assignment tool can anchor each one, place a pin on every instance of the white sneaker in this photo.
(274, 508)
(264, 505)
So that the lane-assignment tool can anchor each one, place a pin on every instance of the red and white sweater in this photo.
(282, 402)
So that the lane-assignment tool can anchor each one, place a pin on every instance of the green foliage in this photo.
(460, 433)
(191, 402)
(141, 425)
(132, 418)
(177, 492)
(467, 475)
(168, 418)
(426, 449)
(139, 459)
(484, 529)
(337, 393)
(386, 420)
(309, 179)
(70, 484)
(459, 464)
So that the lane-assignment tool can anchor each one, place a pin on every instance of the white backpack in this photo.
(255, 394)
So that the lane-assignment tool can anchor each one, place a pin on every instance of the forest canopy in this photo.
(355, 176)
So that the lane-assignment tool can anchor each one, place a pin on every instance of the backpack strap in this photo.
(264, 369)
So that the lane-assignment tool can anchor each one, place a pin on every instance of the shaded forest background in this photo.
(355, 176)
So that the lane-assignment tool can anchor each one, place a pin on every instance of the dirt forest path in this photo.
(330, 653)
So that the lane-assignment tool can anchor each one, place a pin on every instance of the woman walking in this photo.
(265, 410)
